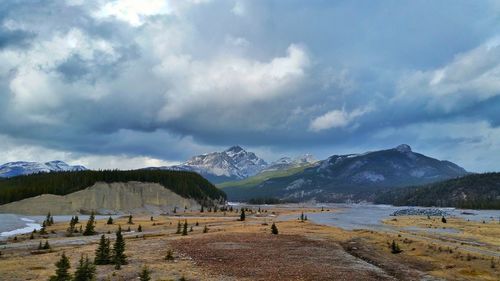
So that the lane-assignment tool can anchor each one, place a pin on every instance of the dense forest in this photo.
(475, 191)
(186, 184)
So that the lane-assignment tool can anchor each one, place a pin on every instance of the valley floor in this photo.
(235, 250)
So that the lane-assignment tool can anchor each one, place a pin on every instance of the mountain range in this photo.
(18, 168)
(351, 177)
(235, 163)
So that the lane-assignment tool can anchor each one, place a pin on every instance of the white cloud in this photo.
(470, 77)
(336, 119)
(228, 81)
(238, 8)
(133, 11)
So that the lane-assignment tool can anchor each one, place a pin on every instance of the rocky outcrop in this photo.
(104, 198)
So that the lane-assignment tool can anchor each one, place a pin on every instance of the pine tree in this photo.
(48, 219)
(76, 219)
(119, 258)
(179, 226)
(102, 253)
(395, 248)
(130, 220)
(151, 218)
(139, 229)
(89, 228)
(202, 209)
(85, 270)
(144, 275)
(191, 229)
(242, 215)
(302, 217)
(205, 229)
(40, 246)
(71, 228)
(46, 246)
(274, 229)
(185, 228)
(196, 224)
(62, 273)
(110, 220)
(443, 220)
(43, 231)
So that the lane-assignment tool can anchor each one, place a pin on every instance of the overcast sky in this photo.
(127, 84)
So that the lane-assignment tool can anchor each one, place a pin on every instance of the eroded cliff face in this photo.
(104, 198)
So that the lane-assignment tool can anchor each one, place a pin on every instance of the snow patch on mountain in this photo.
(18, 168)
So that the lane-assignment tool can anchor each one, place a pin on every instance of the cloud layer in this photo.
(137, 83)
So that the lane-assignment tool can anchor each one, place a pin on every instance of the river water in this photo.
(12, 224)
(370, 216)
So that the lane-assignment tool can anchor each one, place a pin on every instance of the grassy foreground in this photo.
(236, 250)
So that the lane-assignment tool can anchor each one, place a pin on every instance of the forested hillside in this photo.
(186, 184)
(476, 191)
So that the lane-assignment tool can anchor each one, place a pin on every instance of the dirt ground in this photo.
(276, 257)
(235, 250)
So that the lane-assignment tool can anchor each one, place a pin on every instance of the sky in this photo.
(133, 83)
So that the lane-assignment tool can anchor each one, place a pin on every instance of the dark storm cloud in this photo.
(168, 79)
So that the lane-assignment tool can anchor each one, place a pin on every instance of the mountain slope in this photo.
(354, 176)
(185, 184)
(232, 164)
(476, 191)
(13, 169)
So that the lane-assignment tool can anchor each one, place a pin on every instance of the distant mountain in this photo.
(353, 176)
(13, 169)
(232, 164)
(287, 163)
(475, 191)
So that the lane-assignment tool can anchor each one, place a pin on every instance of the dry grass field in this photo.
(235, 250)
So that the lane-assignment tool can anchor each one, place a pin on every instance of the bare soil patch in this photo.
(263, 256)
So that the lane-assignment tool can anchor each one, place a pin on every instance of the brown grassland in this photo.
(235, 250)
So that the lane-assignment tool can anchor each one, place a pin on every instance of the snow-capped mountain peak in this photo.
(13, 169)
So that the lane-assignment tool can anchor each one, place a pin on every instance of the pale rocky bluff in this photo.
(104, 198)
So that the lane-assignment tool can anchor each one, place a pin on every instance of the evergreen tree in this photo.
(139, 229)
(191, 229)
(110, 220)
(202, 209)
(102, 253)
(76, 219)
(32, 236)
(119, 258)
(274, 229)
(43, 231)
(179, 226)
(46, 246)
(302, 217)
(185, 228)
(151, 218)
(130, 220)
(71, 228)
(48, 219)
(40, 246)
(205, 229)
(395, 248)
(242, 215)
(196, 224)
(175, 210)
(89, 228)
(62, 273)
(443, 220)
(85, 270)
(144, 275)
